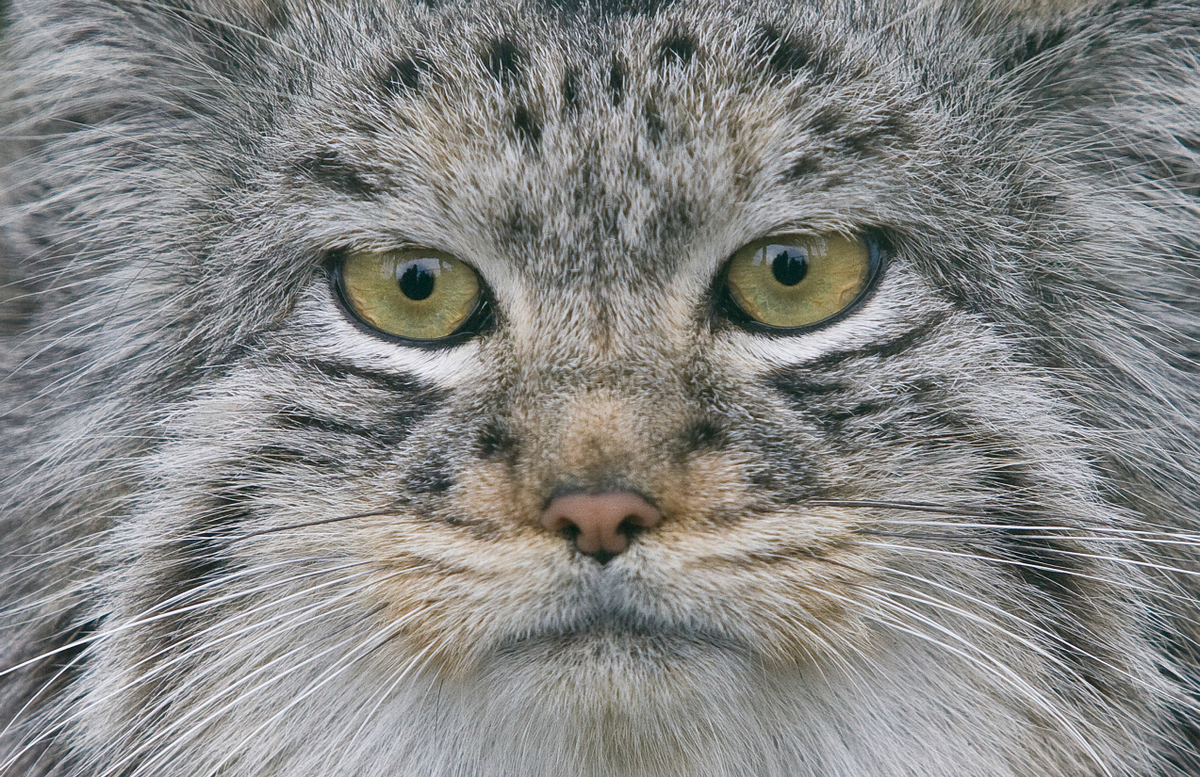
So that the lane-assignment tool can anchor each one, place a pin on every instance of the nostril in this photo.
(630, 527)
(600, 525)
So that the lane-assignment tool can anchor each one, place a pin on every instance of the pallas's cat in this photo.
(786, 389)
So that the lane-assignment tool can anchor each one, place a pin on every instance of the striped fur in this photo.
(953, 532)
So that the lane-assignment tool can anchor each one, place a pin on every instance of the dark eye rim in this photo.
(480, 321)
(726, 308)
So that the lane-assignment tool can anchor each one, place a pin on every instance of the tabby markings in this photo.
(676, 49)
(328, 168)
(616, 81)
(403, 76)
(505, 61)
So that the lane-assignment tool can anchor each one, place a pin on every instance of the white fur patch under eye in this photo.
(336, 338)
(899, 305)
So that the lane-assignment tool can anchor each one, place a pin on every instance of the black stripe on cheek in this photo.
(433, 475)
(398, 415)
(198, 556)
(804, 395)
(63, 664)
(327, 168)
(387, 381)
(276, 459)
(1043, 563)
(53, 668)
(201, 553)
(297, 418)
(884, 350)
(391, 429)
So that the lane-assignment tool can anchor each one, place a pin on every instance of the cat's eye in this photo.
(416, 294)
(796, 281)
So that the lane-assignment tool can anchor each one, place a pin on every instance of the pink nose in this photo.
(604, 521)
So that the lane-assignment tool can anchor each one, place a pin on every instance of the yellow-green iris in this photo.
(796, 281)
(418, 294)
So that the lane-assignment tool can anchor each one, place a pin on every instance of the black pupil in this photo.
(416, 281)
(789, 265)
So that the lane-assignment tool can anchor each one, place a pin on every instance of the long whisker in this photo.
(322, 606)
(146, 617)
(1009, 562)
(230, 688)
(968, 651)
(306, 525)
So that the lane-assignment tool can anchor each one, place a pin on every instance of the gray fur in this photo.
(953, 533)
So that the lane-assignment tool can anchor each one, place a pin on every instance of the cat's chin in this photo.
(614, 699)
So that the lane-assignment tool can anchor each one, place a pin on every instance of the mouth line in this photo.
(631, 631)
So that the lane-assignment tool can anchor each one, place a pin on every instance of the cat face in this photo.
(548, 391)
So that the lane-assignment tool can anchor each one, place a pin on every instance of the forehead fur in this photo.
(591, 133)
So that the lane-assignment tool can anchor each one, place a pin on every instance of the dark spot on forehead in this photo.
(403, 75)
(327, 168)
(616, 81)
(527, 127)
(632, 7)
(801, 168)
(520, 222)
(678, 48)
(785, 55)
(570, 90)
(505, 60)
(827, 121)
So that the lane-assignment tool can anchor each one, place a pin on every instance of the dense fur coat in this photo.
(951, 532)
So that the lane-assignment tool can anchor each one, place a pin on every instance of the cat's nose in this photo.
(601, 523)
